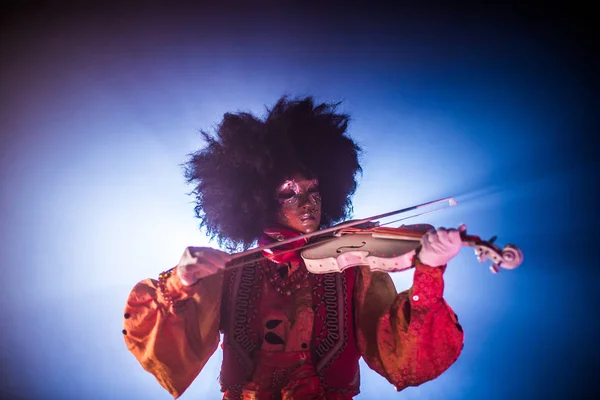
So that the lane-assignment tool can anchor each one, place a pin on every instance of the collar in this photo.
(277, 234)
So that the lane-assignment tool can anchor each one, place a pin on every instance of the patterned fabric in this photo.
(302, 345)
(269, 335)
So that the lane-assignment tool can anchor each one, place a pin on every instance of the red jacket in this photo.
(302, 345)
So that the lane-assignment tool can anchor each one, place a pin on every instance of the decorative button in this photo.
(273, 338)
(415, 298)
(127, 315)
(124, 332)
(304, 345)
(272, 324)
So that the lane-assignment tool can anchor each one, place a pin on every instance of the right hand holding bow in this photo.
(200, 262)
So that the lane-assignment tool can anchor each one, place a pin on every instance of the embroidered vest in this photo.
(333, 350)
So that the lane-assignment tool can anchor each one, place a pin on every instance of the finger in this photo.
(191, 253)
(187, 257)
(193, 269)
(449, 240)
(202, 251)
(194, 254)
(454, 237)
(195, 249)
(200, 270)
(433, 238)
(225, 257)
(425, 245)
(425, 240)
(442, 235)
(217, 260)
(190, 274)
(433, 244)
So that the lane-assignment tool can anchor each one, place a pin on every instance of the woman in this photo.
(288, 334)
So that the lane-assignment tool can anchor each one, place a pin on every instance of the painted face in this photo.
(299, 204)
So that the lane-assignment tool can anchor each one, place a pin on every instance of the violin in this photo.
(362, 242)
(393, 249)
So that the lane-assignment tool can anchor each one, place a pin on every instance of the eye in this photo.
(287, 197)
(286, 194)
(315, 195)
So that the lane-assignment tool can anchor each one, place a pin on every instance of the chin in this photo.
(309, 229)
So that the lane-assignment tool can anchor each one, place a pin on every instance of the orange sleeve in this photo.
(409, 337)
(173, 332)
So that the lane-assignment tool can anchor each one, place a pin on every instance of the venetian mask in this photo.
(299, 204)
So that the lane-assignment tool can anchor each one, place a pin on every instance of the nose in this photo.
(304, 201)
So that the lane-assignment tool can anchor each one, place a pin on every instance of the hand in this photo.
(440, 246)
(200, 262)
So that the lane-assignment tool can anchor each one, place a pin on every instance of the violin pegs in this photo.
(494, 268)
(493, 239)
(481, 256)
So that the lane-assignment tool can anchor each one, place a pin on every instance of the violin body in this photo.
(383, 249)
(392, 249)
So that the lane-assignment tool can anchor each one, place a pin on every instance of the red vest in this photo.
(333, 351)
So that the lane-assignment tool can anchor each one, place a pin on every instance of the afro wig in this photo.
(235, 176)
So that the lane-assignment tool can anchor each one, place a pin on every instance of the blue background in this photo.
(101, 106)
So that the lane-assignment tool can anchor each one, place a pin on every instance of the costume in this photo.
(287, 334)
(305, 345)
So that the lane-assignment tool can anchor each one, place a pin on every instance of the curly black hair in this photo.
(236, 174)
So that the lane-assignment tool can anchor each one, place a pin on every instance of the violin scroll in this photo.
(510, 257)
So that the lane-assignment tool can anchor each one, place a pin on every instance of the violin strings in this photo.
(412, 216)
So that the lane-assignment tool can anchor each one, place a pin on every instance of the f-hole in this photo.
(339, 250)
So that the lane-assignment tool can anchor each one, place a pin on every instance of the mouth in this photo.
(307, 217)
